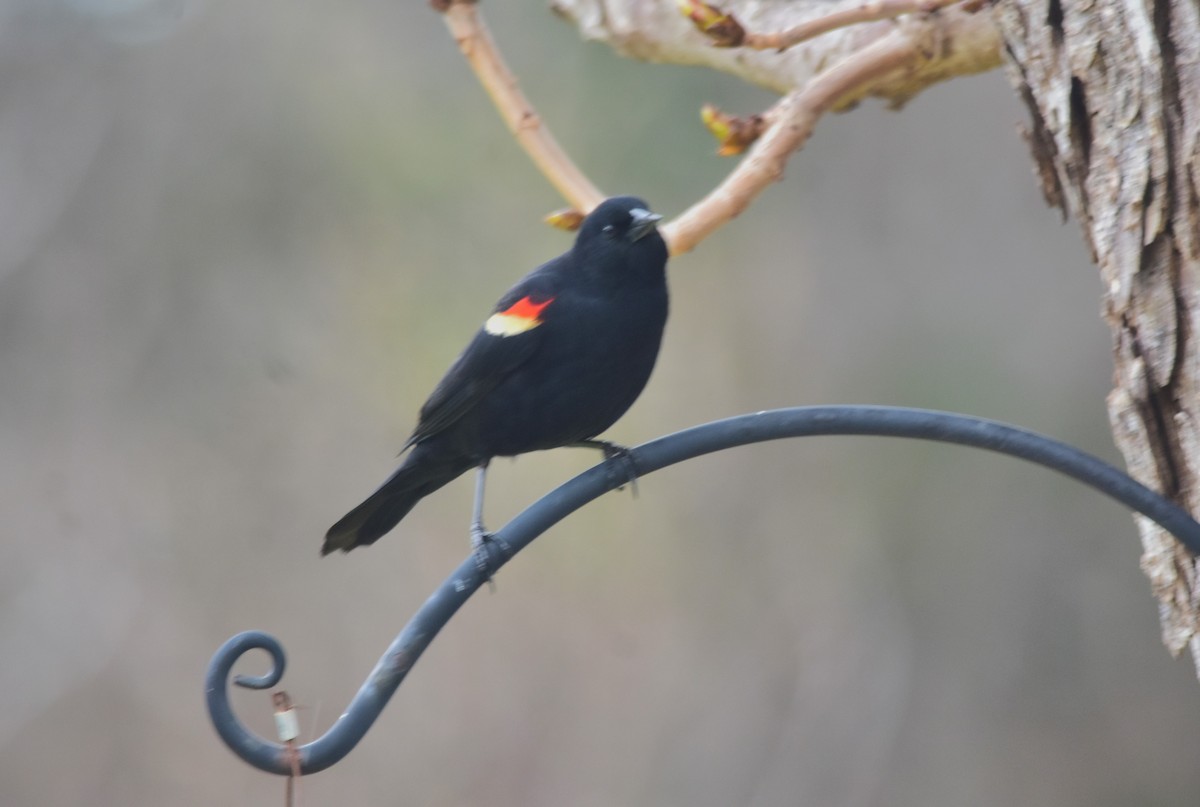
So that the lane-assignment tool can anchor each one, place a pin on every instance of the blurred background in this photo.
(240, 242)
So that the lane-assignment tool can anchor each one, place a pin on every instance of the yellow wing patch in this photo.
(519, 317)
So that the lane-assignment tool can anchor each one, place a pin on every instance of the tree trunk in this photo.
(1113, 88)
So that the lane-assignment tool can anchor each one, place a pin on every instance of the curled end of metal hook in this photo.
(258, 752)
(249, 640)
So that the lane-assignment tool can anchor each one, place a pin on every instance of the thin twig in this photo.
(475, 41)
(792, 121)
(729, 32)
(870, 11)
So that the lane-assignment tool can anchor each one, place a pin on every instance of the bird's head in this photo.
(621, 230)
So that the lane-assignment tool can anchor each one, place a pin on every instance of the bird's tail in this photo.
(416, 478)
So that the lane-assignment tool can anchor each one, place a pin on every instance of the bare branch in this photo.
(889, 61)
(792, 122)
(655, 31)
(474, 40)
(726, 31)
(867, 12)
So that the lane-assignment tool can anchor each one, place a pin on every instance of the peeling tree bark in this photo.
(1113, 88)
(655, 31)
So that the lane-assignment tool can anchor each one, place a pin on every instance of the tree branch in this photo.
(476, 43)
(727, 31)
(893, 62)
(792, 123)
(655, 31)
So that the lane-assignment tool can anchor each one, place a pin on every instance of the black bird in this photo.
(564, 354)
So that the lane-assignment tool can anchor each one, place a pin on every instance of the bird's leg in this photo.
(482, 541)
(612, 451)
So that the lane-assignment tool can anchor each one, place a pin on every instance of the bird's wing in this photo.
(506, 341)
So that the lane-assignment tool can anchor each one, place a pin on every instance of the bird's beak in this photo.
(643, 222)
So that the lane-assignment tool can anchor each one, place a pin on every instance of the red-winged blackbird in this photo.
(566, 351)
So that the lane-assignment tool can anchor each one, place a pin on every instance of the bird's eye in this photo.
(609, 229)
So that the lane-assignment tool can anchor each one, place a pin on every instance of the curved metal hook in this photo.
(922, 424)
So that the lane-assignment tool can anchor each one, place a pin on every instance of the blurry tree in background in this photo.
(239, 243)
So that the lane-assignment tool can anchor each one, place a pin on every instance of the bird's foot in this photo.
(622, 458)
(488, 552)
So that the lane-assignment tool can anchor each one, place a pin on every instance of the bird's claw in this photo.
(483, 545)
(624, 456)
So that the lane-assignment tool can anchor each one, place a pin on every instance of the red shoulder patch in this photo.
(519, 317)
(526, 308)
